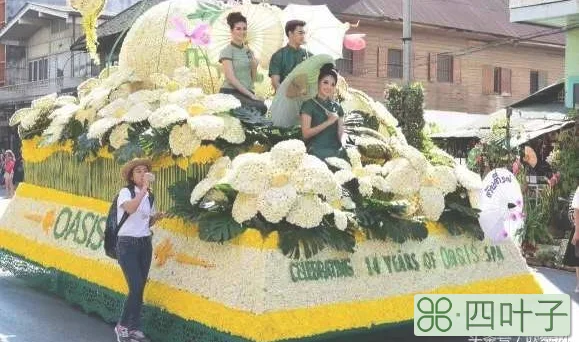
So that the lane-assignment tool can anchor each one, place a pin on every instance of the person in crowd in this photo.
(571, 257)
(321, 118)
(134, 248)
(9, 165)
(284, 60)
(2, 182)
(240, 65)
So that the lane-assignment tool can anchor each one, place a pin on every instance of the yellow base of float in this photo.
(247, 288)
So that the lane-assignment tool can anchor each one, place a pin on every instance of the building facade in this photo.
(564, 15)
(38, 60)
(461, 71)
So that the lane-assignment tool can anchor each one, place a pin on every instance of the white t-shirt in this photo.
(137, 225)
(575, 204)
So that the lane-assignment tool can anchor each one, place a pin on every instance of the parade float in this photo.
(264, 242)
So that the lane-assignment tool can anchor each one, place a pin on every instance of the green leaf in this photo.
(85, 147)
(206, 12)
(128, 152)
(218, 227)
(180, 193)
(296, 242)
(155, 142)
(251, 116)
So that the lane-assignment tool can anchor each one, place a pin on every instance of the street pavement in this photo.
(27, 315)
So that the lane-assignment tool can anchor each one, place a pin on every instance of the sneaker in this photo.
(122, 334)
(138, 336)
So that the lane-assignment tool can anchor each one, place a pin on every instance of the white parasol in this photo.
(501, 205)
(264, 31)
(324, 32)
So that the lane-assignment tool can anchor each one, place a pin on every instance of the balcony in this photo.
(25, 92)
(557, 13)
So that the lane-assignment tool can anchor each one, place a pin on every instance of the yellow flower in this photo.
(163, 162)
(205, 154)
(103, 152)
(183, 163)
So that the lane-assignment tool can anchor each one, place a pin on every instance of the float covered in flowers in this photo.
(265, 242)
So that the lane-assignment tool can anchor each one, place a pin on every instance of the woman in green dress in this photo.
(240, 65)
(322, 118)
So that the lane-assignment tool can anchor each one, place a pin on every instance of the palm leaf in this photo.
(180, 193)
(218, 227)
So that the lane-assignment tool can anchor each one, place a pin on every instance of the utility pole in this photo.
(407, 40)
(508, 131)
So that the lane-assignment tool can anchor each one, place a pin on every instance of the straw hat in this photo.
(127, 169)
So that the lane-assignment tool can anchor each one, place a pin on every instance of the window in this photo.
(345, 65)
(444, 68)
(496, 80)
(394, 63)
(38, 70)
(58, 26)
(534, 81)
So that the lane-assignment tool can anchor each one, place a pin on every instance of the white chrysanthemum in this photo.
(468, 179)
(288, 154)
(183, 97)
(441, 177)
(64, 100)
(116, 109)
(415, 157)
(87, 86)
(207, 127)
(307, 212)
(97, 98)
(431, 202)
(251, 173)
(120, 77)
(45, 103)
(402, 178)
(184, 76)
(216, 173)
(233, 131)
(89, 114)
(183, 140)
(368, 176)
(220, 103)
(60, 118)
(347, 203)
(145, 96)
(21, 114)
(138, 112)
(341, 220)
(159, 80)
(119, 136)
(474, 198)
(275, 203)
(65, 113)
(166, 115)
(383, 115)
(30, 118)
(100, 127)
(121, 92)
(244, 207)
(314, 177)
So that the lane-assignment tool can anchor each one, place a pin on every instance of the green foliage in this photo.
(538, 215)
(405, 103)
(459, 218)
(217, 227)
(296, 242)
(128, 152)
(84, 147)
(434, 154)
(180, 193)
(155, 142)
(206, 11)
(567, 162)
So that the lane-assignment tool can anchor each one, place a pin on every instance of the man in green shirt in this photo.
(285, 59)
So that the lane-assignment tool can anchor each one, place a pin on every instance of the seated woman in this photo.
(322, 118)
(240, 65)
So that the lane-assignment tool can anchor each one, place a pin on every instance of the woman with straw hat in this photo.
(9, 163)
(135, 215)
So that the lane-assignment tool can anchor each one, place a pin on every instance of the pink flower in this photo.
(198, 36)
(355, 42)
(513, 216)
(516, 167)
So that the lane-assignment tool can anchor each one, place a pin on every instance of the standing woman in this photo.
(240, 65)
(9, 163)
(571, 257)
(322, 118)
(134, 248)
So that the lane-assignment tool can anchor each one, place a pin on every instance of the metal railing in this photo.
(30, 90)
